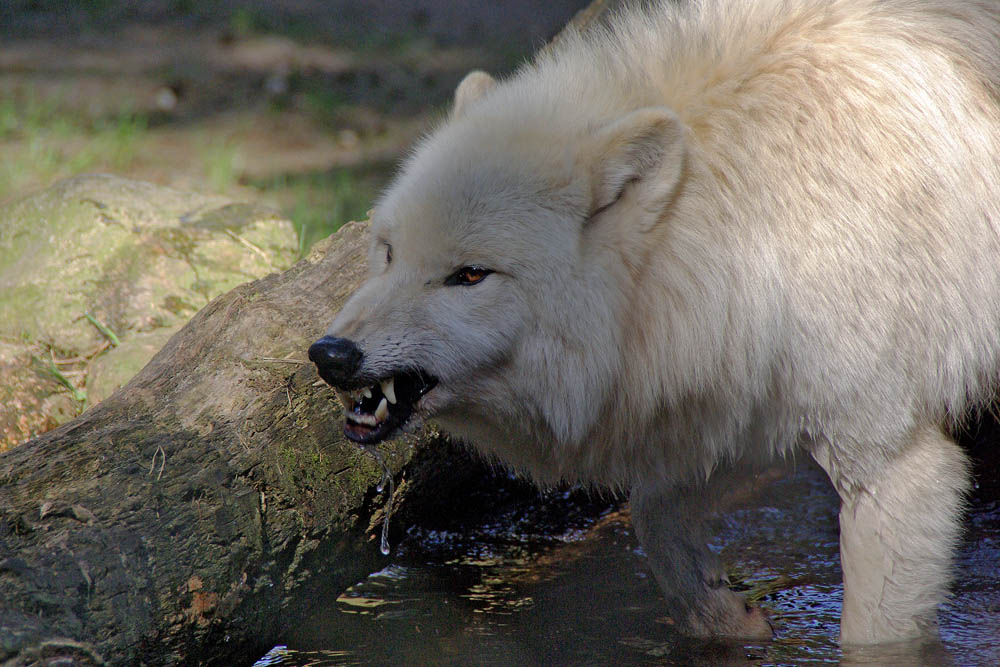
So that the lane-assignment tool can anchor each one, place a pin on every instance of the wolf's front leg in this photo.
(899, 524)
(669, 524)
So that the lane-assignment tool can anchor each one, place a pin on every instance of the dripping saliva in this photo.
(384, 482)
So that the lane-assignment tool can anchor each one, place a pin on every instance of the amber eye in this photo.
(467, 275)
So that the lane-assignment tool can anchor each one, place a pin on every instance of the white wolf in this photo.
(704, 235)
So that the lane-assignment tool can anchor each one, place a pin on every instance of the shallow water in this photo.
(530, 590)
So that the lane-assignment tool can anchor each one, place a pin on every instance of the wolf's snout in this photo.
(375, 407)
(336, 359)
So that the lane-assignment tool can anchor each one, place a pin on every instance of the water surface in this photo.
(544, 586)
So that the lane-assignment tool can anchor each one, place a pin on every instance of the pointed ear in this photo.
(475, 84)
(646, 148)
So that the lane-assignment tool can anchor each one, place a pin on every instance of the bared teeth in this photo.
(389, 389)
(364, 419)
(382, 411)
(355, 410)
(346, 399)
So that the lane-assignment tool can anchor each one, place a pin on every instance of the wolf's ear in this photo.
(475, 84)
(645, 147)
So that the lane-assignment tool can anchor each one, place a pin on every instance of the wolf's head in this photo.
(503, 267)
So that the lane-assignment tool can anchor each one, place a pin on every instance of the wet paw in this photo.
(724, 613)
(756, 624)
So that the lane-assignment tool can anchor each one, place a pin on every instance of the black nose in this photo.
(336, 359)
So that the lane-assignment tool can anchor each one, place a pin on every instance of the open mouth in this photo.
(375, 412)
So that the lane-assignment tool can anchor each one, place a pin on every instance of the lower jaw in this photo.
(370, 435)
(366, 435)
(407, 419)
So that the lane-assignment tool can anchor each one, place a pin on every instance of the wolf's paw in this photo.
(724, 613)
(755, 624)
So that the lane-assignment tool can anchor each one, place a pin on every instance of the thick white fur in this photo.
(720, 231)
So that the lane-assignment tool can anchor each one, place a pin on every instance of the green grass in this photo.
(324, 104)
(320, 203)
(103, 328)
(247, 22)
(221, 163)
(244, 22)
(49, 368)
(43, 142)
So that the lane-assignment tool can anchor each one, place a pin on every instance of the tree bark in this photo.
(181, 519)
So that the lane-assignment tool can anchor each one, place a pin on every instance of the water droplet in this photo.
(386, 478)
(388, 511)
(385, 542)
(386, 481)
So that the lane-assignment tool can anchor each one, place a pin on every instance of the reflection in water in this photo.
(516, 595)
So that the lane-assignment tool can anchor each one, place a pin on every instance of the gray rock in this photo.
(96, 273)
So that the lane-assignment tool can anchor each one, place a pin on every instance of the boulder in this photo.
(98, 271)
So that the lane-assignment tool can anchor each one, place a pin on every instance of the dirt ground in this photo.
(307, 104)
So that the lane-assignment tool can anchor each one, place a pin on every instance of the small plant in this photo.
(49, 368)
(320, 203)
(221, 161)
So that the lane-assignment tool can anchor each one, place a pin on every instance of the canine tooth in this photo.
(382, 411)
(389, 389)
(366, 392)
(345, 399)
